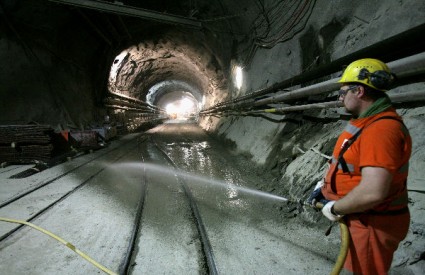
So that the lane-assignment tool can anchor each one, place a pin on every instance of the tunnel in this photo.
(186, 136)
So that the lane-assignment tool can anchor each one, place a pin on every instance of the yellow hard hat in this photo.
(371, 72)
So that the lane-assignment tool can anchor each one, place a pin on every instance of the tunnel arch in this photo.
(171, 62)
(161, 89)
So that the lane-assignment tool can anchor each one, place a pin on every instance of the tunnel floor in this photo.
(95, 201)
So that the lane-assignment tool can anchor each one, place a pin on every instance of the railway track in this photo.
(132, 210)
(128, 256)
(206, 245)
(42, 184)
(44, 198)
(20, 198)
(206, 261)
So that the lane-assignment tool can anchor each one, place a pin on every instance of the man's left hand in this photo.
(328, 212)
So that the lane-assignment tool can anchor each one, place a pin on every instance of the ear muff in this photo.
(381, 80)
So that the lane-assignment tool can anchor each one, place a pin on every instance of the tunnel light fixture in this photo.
(238, 77)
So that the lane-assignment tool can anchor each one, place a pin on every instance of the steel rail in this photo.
(206, 245)
(43, 184)
(125, 263)
(51, 205)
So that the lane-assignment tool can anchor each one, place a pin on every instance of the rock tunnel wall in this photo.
(287, 146)
(169, 56)
(47, 75)
(56, 60)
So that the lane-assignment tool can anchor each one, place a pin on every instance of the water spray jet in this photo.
(199, 179)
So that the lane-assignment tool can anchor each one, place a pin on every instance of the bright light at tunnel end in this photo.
(181, 109)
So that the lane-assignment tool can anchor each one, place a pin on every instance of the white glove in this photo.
(327, 212)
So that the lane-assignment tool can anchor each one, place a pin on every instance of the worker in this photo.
(366, 181)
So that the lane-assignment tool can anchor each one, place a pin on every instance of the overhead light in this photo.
(238, 77)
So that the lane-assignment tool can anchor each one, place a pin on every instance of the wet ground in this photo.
(100, 194)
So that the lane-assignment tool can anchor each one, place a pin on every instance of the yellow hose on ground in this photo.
(345, 242)
(67, 244)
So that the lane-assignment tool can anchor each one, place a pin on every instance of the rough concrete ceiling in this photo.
(62, 51)
(201, 57)
(158, 52)
(173, 58)
(139, 53)
(84, 44)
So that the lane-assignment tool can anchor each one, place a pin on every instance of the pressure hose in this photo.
(345, 243)
(67, 244)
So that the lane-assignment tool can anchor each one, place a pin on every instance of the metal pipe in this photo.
(132, 99)
(399, 98)
(323, 105)
(121, 102)
(391, 45)
(405, 67)
(388, 49)
(315, 89)
(409, 66)
(117, 8)
(408, 97)
(141, 111)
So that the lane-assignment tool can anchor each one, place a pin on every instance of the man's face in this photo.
(348, 95)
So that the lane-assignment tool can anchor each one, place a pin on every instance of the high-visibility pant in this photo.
(374, 239)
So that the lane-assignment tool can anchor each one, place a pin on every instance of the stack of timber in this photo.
(26, 143)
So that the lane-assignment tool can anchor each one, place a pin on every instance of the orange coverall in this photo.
(375, 234)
